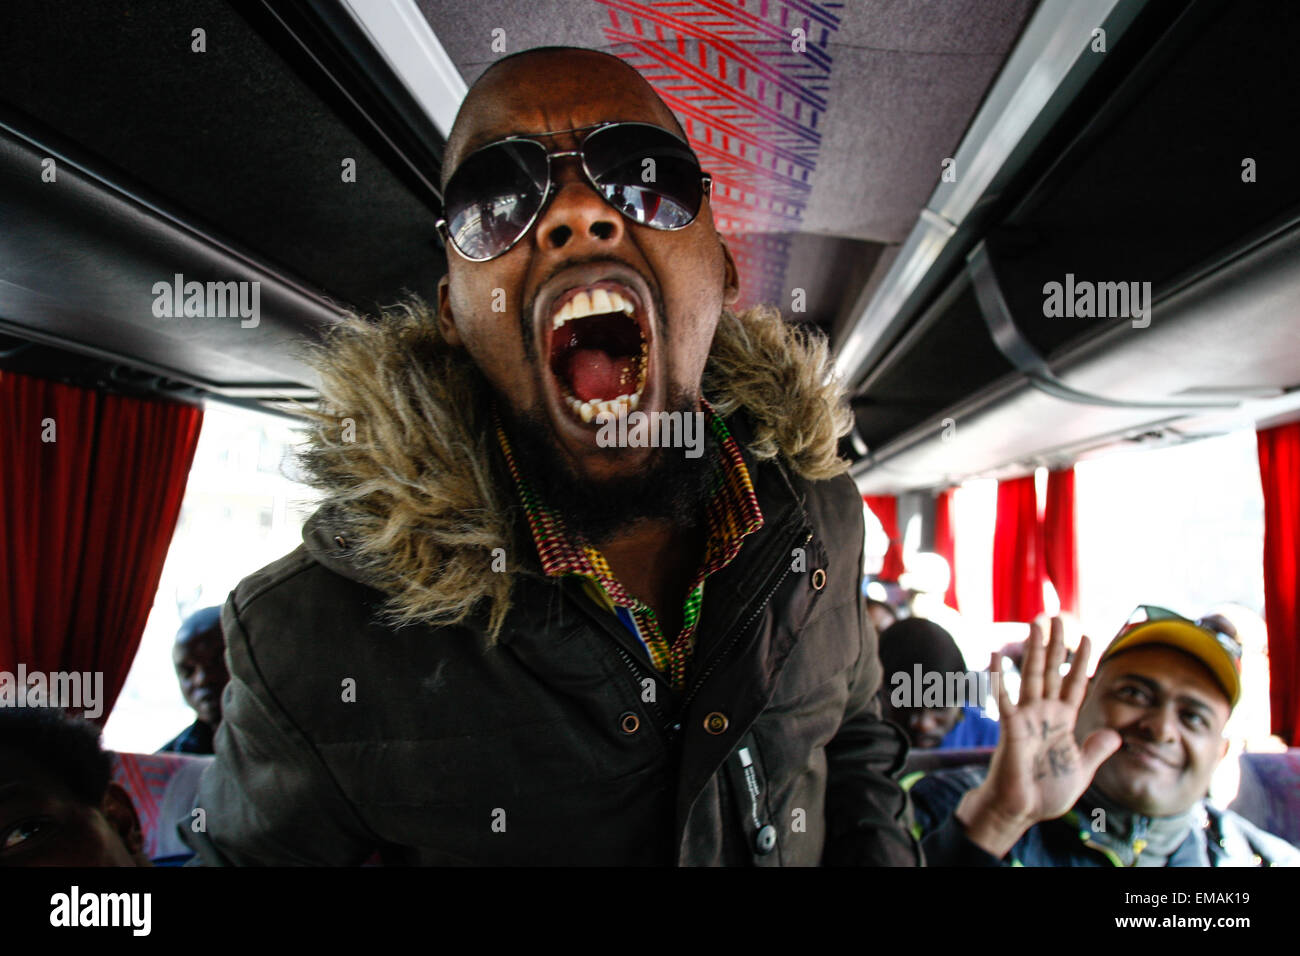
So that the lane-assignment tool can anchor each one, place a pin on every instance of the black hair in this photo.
(201, 621)
(66, 747)
(914, 640)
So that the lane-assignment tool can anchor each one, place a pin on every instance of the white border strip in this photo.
(398, 30)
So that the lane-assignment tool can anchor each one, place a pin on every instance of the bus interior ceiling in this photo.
(931, 288)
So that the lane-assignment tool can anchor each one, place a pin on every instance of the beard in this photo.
(671, 487)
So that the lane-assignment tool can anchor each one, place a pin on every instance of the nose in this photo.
(1160, 724)
(577, 220)
(927, 723)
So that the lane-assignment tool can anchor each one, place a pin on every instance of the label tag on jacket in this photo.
(747, 786)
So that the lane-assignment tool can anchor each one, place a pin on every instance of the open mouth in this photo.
(599, 352)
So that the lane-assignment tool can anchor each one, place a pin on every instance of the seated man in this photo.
(200, 658)
(1108, 771)
(909, 651)
(58, 806)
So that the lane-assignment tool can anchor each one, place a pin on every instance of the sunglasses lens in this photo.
(647, 174)
(493, 196)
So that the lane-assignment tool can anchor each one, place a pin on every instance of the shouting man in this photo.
(585, 584)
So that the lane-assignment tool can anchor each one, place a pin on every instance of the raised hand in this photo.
(1038, 770)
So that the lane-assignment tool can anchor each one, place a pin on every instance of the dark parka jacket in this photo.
(400, 687)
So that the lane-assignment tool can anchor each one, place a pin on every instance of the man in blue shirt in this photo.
(925, 688)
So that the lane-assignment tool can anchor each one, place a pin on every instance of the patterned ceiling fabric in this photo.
(749, 82)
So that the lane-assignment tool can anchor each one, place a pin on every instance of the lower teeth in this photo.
(588, 411)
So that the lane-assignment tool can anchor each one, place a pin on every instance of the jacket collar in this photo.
(1128, 838)
(784, 516)
(415, 502)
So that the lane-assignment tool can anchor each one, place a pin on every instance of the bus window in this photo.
(242, 504)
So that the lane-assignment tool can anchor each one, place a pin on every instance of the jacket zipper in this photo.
(1140, 838)
(721, 653)
(638, 675)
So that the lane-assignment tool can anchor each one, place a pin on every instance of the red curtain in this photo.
(1060, 551)
(1279, 472)
(885, 508)
(90, 491)
(1017, 550)
(945, 543)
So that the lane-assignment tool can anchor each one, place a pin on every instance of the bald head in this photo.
(560, 83)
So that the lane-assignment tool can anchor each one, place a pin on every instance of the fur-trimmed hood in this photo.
(400, 447)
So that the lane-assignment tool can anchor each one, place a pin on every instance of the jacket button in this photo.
(765, 840)
(716, 723)
(629, 723)
(818, 579)
(341, 541)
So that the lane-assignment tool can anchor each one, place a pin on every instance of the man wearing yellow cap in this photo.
(1111, 771)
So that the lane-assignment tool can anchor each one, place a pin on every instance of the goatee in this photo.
(671, 487)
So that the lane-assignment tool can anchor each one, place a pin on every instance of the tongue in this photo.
(595, 375)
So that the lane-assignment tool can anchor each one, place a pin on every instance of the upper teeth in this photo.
(595, 302)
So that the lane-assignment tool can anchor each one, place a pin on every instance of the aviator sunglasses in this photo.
(496, 194)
